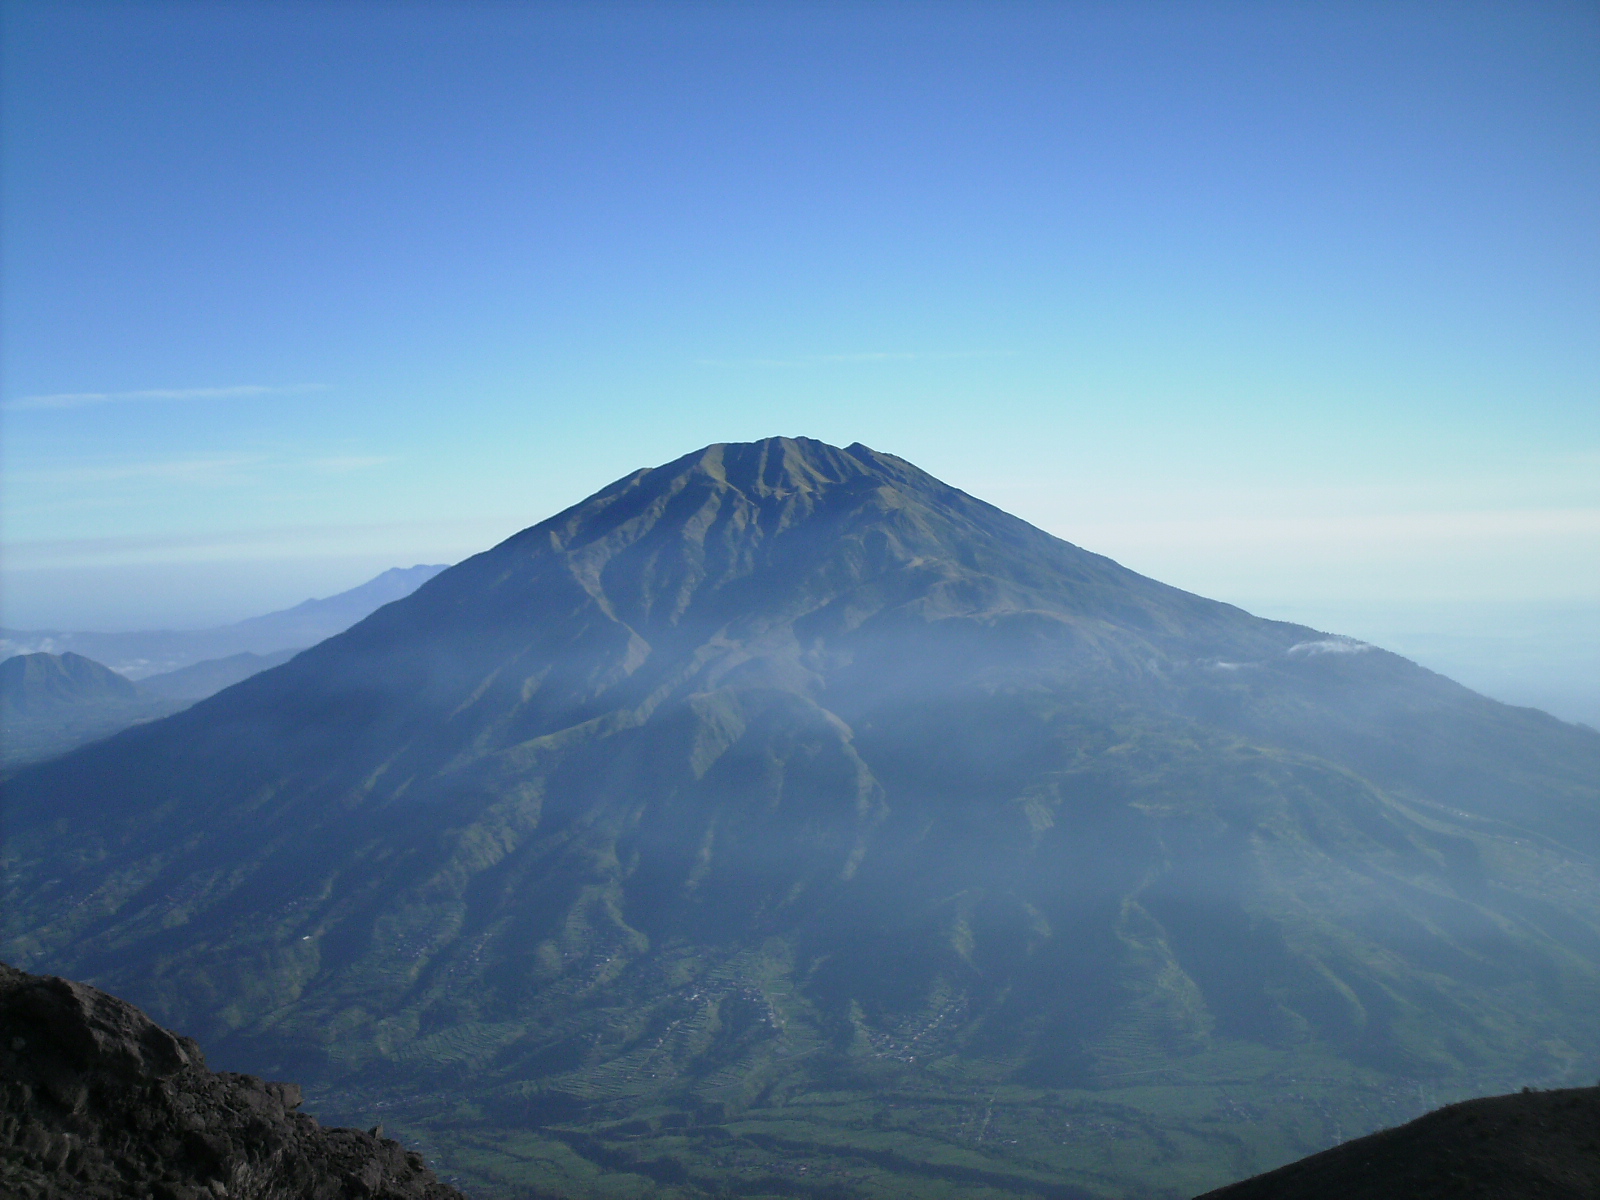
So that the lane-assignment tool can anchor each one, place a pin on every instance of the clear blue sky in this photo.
(1293, 304)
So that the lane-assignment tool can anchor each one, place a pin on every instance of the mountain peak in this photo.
(760, 472)
(751, 533)
(774, 466)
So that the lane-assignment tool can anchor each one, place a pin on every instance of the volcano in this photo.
(782, 819)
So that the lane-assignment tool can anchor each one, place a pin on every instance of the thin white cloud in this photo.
(1372, 533)
(434, 541)
(210, 470)
(350, 462)
(1330, 646)
(874, 356)
(227, 469)
(84, 399)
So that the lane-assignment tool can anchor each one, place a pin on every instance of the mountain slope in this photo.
(145, 653)
(792, 791)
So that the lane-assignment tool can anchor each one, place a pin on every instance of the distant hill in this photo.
(782, 820)
(34, 683)
(140, 654)
(1534, 1144)
(51, 703)
(99, 1101)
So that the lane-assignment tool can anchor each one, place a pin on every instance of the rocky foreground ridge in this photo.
(97, 1100)
(1517, 1147)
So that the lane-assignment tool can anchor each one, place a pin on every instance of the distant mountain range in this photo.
(155, 652)
(54, 698)
(784, 820)
(207, 678)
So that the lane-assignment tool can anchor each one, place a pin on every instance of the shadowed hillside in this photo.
(785, 812)
(1544, 1144)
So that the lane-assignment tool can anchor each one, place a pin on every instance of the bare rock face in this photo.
(97, 1100)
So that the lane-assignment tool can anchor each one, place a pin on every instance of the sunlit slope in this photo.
(784, 772)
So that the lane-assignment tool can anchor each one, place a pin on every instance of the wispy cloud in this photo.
(1401, 532)
(84, 399)
(1330, 646)
(209, 470)
(350, 462)
(221, 469)
(874, 356)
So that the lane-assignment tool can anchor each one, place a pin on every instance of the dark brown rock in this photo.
(1527, 1146)
(97, 1100)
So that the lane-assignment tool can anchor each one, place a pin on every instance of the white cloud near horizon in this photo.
(58, 400)
(1375, 533)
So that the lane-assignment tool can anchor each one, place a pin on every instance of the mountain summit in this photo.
(787, 794)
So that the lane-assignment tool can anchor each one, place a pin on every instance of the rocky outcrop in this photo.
(97, 1100)
(1532, 1144)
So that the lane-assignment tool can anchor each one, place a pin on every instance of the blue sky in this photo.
(1296, 305)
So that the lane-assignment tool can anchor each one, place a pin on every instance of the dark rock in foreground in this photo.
(1536, 1144)
(97, 1100)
